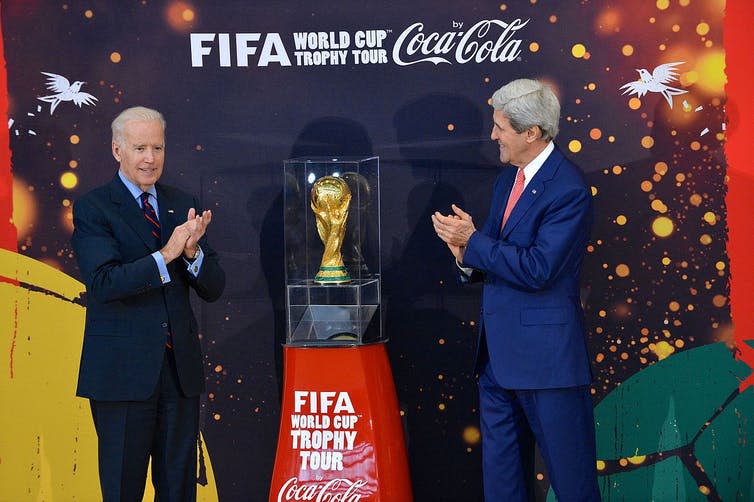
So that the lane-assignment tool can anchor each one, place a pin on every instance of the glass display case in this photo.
(332, 251)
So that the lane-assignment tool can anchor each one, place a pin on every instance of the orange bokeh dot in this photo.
(663, 226)
(647, 142)
(646, 186)
(180, 15)
(534, 47)
(115, 57)
(627, 50)
(595, 134)
(719, 301)
(634, 103)
(608, 21)
(451, 127)
(69, 180)
(471, 435)
(74, 139)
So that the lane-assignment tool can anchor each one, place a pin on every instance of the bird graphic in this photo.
(656, 82)
(65, 91)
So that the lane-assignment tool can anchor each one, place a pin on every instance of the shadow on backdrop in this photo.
(428, 314)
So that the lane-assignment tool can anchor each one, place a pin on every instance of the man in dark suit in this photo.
(141, 247)
(532, 357)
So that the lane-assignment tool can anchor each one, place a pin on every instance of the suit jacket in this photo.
(531, 319)
(129, 310)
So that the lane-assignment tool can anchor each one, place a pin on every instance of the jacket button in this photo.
(164, 325)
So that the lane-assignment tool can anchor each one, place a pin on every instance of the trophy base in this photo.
(332, 275)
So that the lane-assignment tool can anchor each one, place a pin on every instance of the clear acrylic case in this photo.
(333, 314)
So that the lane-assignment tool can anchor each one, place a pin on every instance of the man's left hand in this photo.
(197, 225)
(454, 229)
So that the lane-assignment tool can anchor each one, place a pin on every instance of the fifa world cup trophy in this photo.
(330, 200)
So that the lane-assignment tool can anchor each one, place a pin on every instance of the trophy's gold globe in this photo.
(330, 198)
(329, 191)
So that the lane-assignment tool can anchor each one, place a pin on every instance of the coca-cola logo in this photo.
(334, 490)
(488, 40)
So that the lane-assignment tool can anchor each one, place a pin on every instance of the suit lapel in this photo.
(506, 185)
(168, 216)
(130, 211)
(534, 189)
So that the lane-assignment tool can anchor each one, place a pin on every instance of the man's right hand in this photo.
(176, 244)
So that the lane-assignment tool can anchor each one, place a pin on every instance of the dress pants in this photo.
(561, 421)
(165, 427)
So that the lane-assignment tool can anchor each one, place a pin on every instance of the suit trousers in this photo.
(165, 427)
(560, 420)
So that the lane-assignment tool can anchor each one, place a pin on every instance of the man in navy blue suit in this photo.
(141, 246)
(534, 373)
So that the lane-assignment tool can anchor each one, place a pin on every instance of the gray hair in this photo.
(137, 113)
(528, 103)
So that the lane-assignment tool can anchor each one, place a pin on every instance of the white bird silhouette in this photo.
(65, 91)
(655, 82)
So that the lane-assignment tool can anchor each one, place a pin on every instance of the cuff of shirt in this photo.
(195, 266)
(162, 267)
(466, 270)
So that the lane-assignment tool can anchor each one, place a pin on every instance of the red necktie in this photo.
(154, 224)
(516, 191)
(151, 216)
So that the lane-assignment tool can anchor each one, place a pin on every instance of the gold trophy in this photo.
(330, 199)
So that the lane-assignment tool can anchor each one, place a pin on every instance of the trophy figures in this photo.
(330, 199)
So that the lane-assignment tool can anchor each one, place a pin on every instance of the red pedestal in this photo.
(341, 438)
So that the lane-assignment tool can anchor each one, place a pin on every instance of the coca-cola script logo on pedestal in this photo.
(334, 490)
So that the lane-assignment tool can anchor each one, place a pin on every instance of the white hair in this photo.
(528, 103)
(137, 113)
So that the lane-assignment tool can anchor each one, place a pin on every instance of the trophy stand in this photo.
(340, 435)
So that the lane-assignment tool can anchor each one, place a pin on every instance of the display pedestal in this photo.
(340, 430)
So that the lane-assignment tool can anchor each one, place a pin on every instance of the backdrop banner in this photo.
(245, 85)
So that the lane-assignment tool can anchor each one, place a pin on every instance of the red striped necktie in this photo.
(154, 224)
(151, 216)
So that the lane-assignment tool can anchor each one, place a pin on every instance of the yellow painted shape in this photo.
(48, 446)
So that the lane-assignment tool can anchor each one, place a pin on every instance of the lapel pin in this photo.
(171, 211)
(534, 190)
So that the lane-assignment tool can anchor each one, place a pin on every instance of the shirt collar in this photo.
(136, 191)
(532, 167)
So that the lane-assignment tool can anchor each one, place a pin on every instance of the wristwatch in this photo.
(196, 254)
